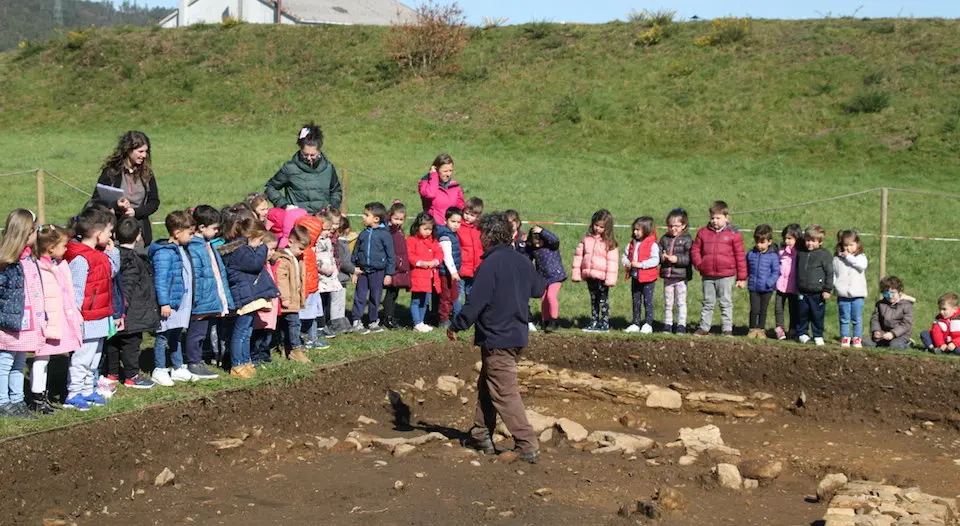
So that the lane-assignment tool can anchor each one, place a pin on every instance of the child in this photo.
(718, 255)
(424, 252)
(136, 273)
(850, 283)
(173, 277)
(373, 256)
(211, 291)
(814, 284)
(251, 286)
(265, 320)
(63, 332)
(401, 279)
(92, 270)
(470, 247)
(675, 270)
(543, 246)
(498, 305)
(763, 271)
(328, 273)
(22, 318)
(787, 283)
(450, 270)
(260, 206)
(311, 314)
(945, 332)
(641, 258)
(519, 243)
(340, 237)
(595, 261)
(290, 277)
(892, 320)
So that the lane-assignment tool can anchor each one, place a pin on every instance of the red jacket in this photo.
(470, 249)
(719, 254)
(644, 275)
(98, 294)
(314, 225)
(946, 330)
(424, 249)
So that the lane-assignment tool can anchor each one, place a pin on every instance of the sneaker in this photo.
(701, 332)
(239, 372)
(532, 327)
(818, 341)
(485, 446)
(106, 387)
(374, 327)
(112, 379)
(199, 372)
(77, 402)
(857, 343)
(422, 327)
(298, 355)
(94, 398)
(181, 374)
(752, 333)
(357, 326)
(551, 326)
(680, 329)
(40, 403)
(781, 334)
(161, 376)
(326, 333)
(667, 329)
(844, 342)
(138, 382)
(646, 329)
(632, 328)
(728, 333)
(602, 327)
(803, 338)
(320, 345)
(530, 457)
(761, 334)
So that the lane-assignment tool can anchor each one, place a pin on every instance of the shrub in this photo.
(567, 109)
(129, 70)
(660, 17)
(537, 30)
(433, 42)
(725, 31)
(650, 37)
(871, 79)
(29, 48)
(76, 39)
(882, 28)
(868, 102)
(231, 21)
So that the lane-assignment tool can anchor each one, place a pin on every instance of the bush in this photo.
(868, 102)
(433, 42)
(29, 48)
(650, 37)
(871, 79)
(538, 30)
(725, 31)
(567, 109)
(882, 28)
(76, 39)
(660, 17)
(231, 21)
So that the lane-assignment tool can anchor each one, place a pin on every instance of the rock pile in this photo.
(865, 503)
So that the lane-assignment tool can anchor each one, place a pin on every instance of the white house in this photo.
(340, 12)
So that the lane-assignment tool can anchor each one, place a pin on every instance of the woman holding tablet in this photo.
(127, 184)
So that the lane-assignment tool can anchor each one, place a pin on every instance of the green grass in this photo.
(552, 120)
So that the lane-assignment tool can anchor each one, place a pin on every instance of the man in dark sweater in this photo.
(503, 285)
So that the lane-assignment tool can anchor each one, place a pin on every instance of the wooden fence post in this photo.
(884, 196)
(343, 202)
(41, 201)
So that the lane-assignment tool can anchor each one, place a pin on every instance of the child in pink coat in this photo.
(21, 300)
(596, 261)
(787, 284)
(64, 322)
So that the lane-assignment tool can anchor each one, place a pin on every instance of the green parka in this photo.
(309, 187)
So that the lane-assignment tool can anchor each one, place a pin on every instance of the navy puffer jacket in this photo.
(11, 297)
(763, 270)
(248, 277)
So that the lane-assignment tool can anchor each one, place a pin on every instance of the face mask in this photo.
(887, 295)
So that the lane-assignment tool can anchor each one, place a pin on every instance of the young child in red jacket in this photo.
(719, 257)
(944, 335)
(425, 256)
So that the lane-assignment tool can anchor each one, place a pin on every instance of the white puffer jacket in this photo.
(849, 276)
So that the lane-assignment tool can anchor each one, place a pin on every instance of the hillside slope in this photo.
(790, 91)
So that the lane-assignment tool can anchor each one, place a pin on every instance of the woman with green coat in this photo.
(308, 180)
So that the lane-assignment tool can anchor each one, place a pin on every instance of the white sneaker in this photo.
(531, 326)
(357, 326)
(106, 387)
(182, 374)
(803, 338)
(161, 377)
(818, 341)
(422, 327)
(632, 328)
(646, 329)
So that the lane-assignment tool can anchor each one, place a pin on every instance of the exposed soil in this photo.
(859, 417)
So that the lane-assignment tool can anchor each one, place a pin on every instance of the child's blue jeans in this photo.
(851, 313)
(419, 303)
(168, 340)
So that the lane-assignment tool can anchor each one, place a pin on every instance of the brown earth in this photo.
(859, 417)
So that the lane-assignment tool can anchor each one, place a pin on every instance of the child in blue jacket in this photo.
(763, 271)
(374, 258)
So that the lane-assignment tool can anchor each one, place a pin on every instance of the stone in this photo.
(729, 476)
(543, 492)
(628, 444)
(761, 469)
(745, 413)
(701, 396)
(420, 384)
(606, 449)
(751, 484)
(723, 455)
(759, 395)
(632, 422)
(508, 514)
(700, 439)
(398, 485)
(54, 522)
(540, 422)
(829, 485)
(326, 443)
(670, 499)
(164, 478)
(547, 435)
(687, 460)
(403, 450)
(449, 384)
(662, 398)
(573, 431)
(366, 420)
(226, 443)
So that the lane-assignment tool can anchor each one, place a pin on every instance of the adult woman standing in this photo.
(128, 169)
(308, 180)
(439, 191)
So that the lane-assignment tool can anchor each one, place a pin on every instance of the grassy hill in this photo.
(554, 120)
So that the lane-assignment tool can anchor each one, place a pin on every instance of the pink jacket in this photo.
(787, 283)
(31, 339)
(282, 221)
(64, 332)
(437, 199)
(592, 260)
(267, 319)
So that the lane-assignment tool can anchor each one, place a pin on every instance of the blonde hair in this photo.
(20, 225)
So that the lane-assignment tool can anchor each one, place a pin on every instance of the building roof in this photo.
(344, 12)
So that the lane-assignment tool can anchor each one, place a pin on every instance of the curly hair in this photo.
(495, 230)
(129, 142)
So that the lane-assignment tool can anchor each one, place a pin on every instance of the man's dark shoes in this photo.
(485, 445)
(530, 457)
